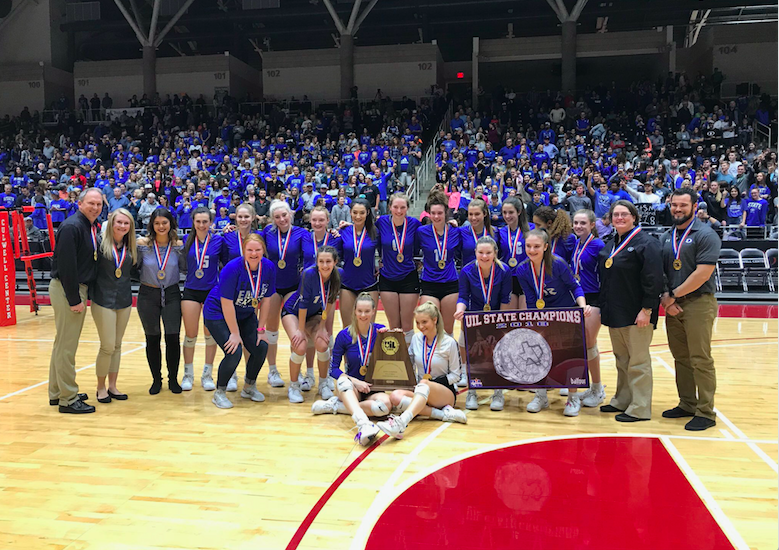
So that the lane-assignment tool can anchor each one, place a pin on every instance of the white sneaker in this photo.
(366, 433)
(324, 389)
(232, 384)
(325, 406)
(471, 400)
(306, 382)
(188, 379)
(593, 398)
(251, 392)
(572, 406)
(331, 383)
(275, 380)
(454, 415)
(498, 400)
(221, 401)
(393, 426)
(539, 402)
(294, 393)
(463, 383)
(207, 381)
(564, 392)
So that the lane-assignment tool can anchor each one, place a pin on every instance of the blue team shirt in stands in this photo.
(756, 211)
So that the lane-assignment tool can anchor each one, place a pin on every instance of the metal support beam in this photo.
(137, 15)
(154, 16)
(363, 15)
(558, 7)
(130, 20)
(178, 49)
(256, 47)
(577, 9)
(353, 16)
(173, 21)
(562, 10)
(334, 15)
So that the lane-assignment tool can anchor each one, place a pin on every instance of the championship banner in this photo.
(526, 349)
(7, 273)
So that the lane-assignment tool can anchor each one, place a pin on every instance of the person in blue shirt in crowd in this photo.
(353, 347)
(222, 220)
(230, 314)
(304, 317)
(547, 281)
(8, 197)
(754, 209)
(184, 212)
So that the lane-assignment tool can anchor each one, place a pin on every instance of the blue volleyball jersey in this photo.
(560, 288)
(210, 264)
(391, 268)
(589, 276)
(234, 285)
(504, 246)
(468, 243)
(300, 253)
(564, 247)
(308, 296)
(426, 243)
(471, 293)
(231, 246)
(348, 351)
(362, 276)
(328, 240)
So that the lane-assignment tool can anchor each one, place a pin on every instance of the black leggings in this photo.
(248, 329)
(153, 304)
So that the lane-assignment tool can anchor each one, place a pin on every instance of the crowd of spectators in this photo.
(636, 143)
(179, 155)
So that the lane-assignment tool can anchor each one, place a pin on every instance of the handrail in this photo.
(426, 169)
(763, 130)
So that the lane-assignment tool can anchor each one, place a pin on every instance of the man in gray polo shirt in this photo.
(690, 252)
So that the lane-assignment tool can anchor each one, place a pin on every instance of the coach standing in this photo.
(690, 252)
(631, 278)
(73, 267)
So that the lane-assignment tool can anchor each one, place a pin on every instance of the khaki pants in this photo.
(689, 338)
(634, 370)
(62, 368)
(111, 324)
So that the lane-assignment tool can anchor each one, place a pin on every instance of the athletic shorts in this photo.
(439, 290)
(309, 315)
(284, 291)
(192, 295)
(593, 299)
(407, 285)
(373, 288)
(516, 288)
(444, 381)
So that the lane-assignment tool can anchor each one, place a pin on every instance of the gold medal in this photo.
(513, 262)
(199, 274)
(161, 274)
(677, 264)
(357, 262)
(95, 255)
(441, 264)
(118, 273)
(324, 315)
(400, 258)
(609, 262)
(363, 370)
(487, 307)
(282, 264)
(428, 377)
(577, 277)
(540, 303)
(255, 303)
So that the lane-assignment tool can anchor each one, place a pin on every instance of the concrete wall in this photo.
(244, 80)
(746, 53)
(31, 85)
(32, 34)
(121, 79)
(407, 69)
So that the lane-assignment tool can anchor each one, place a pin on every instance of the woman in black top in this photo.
(112, 299)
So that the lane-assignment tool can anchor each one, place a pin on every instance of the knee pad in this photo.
(408, 336)
(189, 342)
(593, 352)
(210, 340)
(295, 358)
(323, 355)
(273, 337)
(378, 408)
(344, 384)
(422, 389)
(405, 401)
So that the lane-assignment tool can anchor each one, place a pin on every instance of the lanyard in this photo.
(617, 249)
(487, 291)
(538, 283)
(441, 247)
(254, 284)
(677, 247)
(162, 263)
(427, 356)
(323, 293)
(200, 256)
(400, 242)
(577, 255)
(364, 353)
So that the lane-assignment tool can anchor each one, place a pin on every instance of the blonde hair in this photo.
(352, 328)
(401, 196)
(249, 208)
(430, 309)
(256, 238)
(279, 205)
(107, 246)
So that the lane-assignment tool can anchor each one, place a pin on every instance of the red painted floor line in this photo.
(301, 531)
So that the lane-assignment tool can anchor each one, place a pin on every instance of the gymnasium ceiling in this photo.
(213, 26)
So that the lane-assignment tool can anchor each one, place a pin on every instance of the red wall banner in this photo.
(7, 274)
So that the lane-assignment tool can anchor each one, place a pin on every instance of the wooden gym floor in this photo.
(173, 471)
